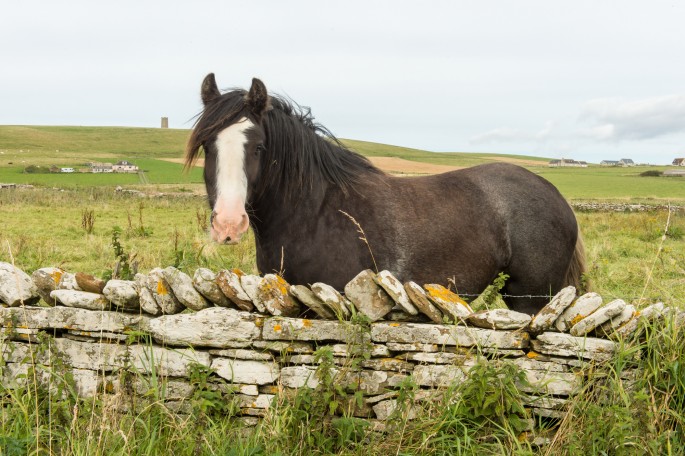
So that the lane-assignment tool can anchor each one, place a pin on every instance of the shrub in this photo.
(651, 173)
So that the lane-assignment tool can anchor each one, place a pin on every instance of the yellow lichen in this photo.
(576, 319)
(57, 276)
(277, 328)
(259, 322)
(238, 272)
(282, 285)
(306, 323)
(395, 325)
(532, 355)
(439, 292)
(161, 289)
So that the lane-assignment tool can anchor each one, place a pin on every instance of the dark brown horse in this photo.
(308, 199)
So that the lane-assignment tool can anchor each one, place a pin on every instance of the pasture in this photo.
(631, 256)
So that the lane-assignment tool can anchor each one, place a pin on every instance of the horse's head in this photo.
(229, 131)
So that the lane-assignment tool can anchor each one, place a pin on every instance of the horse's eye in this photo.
(261, 148)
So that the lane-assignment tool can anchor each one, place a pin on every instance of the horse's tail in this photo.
(576, 269)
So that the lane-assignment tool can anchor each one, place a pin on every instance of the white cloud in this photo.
(498, 135)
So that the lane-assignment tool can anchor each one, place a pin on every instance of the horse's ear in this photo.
(257, 98)
(209, 90)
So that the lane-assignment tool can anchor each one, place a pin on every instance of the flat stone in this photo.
(81, 299)
(334, 300)
(435, 358)
(499, 319)
(301, 329)
(396, 291)
(273, 294)
(204, 281)
(626, 329)
(122, 293)
(581, 308)
(552, 383)
(652, 312)
(250, 285)
(418, 297)
(546, 317)
(388, 364)
(71, 318)
(450, 304)
(175, 362)
(162, 292)
(385, 409)
(239, 353)
(16, 287)
(309, 299)
(46, 280)
(443, 375)
(146, 299)
(245, 371)
(260, 401)
(91, 355)
(416, 347)
(229, 283)
(299, 376)
(449, 335)
(212, 327)
(598, 317)
(68, 282)
(97, 336)
(185, 292)
(560, 344)
(367, 296)
(90, 283)
(616, 322)
(348, 350)
(399, 315)
(281, 347)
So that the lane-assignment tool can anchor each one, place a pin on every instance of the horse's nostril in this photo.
(227, 240)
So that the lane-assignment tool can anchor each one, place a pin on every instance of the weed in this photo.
(88, 220)
(125, 267)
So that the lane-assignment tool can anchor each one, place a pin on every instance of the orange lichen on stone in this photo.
(396, 325)
(306, 323)
(440, 292)
(577, 319)
(259, 322)
(161, 289)
(238, 272)
(277, 328)
(532, 355)
(282, 285)
(57, 276)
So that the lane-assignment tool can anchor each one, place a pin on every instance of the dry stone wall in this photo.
(256, 337)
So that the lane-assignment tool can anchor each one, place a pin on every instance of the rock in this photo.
(652, 312)
(302, 329)
(72, 319)
(273, 294)
(151, 359)
(499, 319)
(182, 286)
(598, 317)
(212, 327)
(16, 287)
(161, 291)
(123, 294)
(246, 371)
(419, 298)
(451, 305)
(81, 299)
(616, 322)
(581, 308)
(396, 291)
(250, 284)
(442, 375)
(560, 344)
(147, 301)
(334, 300)
(309, 299)
(229, 284)
(90, 283)
(204, 281)
(368, 298)
(46, 280)
(546, 317)
(385, 409)
(68, 282)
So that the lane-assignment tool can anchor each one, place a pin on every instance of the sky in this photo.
(589, 80)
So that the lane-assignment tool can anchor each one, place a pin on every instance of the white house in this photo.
(124, 167)
(678, 162)
(66, 170)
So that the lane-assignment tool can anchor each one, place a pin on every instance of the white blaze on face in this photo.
(230, 219)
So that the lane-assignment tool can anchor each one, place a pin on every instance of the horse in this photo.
(322, 213)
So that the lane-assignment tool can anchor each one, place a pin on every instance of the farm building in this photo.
(567, 162)
(621, 162)
(124, 166)
(678, 162)
(95, 167)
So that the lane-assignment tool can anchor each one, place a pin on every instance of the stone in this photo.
(449, 335)
(443, 375)
(581, 308)
(367, 296)
(546, 317)
(239, 353)
(299, 376)
(334, 300)
(16, 287)
(122, 293)
(98, 336)
(499, 319)
(627, 329)
(246, 371)
(149, 359)
(71, 318)
(81, 299)
(434, 358)
(250, 284)
(616, 322)
(450, 304)
(598, 317)
(46, 280)
(652, 312)
(385, 410)
(560, 344)
(229, 284)
(348, 350)
(182, 286)
(90, 283)
(212, 327)
(418, 297)
(398, 314)
(204, 281)
(147, 302)
(68, 282)
(91, 355)
(284, 347)
(162, 292)
(302, 329)
(309, 299)
(388, 364)
(547, 378)
(396, 291)
(272, 292)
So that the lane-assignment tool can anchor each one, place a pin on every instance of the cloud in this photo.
(499, 135)
(615, 119)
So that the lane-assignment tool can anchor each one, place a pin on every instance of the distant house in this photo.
(124, 167)
(608, 163)
(567, 162)
(626, 162)
(678, 162)
(66, 170)
(100, 167)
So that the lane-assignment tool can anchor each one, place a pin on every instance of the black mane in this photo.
(299, 154)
